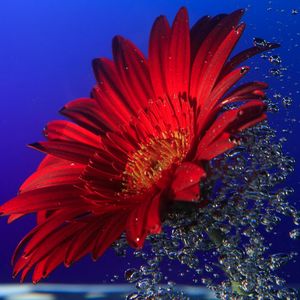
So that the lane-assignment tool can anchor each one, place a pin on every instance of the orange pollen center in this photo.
(145, 166)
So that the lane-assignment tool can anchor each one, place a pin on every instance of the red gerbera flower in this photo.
(139, 144)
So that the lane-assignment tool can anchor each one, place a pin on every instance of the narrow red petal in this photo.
(84, 240)
(51, 243)
(248, 112)
(158, 55)
(111, 91)
(153, 223)
(51, 160)
(245, 55)
(132, 67)
(247, 88)
(216, 62)
(218, 137)
(221, 27)
(53, 225)
(252, 122)
(223, 86)
(14, 217)
(53, 176)
(179, 55)
(50, 198)
(112, 118)
(200, 31)
(143, 220)
(110, 232)
(72, 151)
(47, 265)
(222, 144)
(62, 130)
(84, 113)
(233, 119)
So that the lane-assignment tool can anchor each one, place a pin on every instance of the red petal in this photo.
(144, 220)
(110, 232)
(198, 33)
(223, 86)
(208, 48)
(217, 137)
(132, 67)
(113, 92)
(41, 216)
(56, 197)
(49, 263)
(51, 243)
(186, 182)
(51, 160)
(246, 54)
(216, 62)
(112, 118)
(247, 113)
(179, 55)
(86, 238)
(219, 146)
(53, 224)
(74, 152)
(14, 217)
(220, 125)
(248, 88)
(200, 30)
(62, 130)
(153, 224)
(52, 262)
(84, 113)
(158, 55)
(119, 142)
(53, 176)
(252, 122)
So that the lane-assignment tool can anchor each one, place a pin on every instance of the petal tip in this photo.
(35, 146)
(240, 11)
(181, 14)
(62, 110)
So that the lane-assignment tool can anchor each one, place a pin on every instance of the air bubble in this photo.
(261, 43)
(132, 275)
(295, 234)
(275, 59)
(287, 101)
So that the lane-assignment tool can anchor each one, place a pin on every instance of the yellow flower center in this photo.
(145, 166)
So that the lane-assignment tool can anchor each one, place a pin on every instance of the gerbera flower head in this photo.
(139, 144)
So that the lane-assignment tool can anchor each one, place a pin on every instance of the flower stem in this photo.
(217, 236)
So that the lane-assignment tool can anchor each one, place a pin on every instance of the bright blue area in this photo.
(45, 52)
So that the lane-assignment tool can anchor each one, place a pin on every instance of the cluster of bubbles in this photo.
(277, 69)
(223, 244)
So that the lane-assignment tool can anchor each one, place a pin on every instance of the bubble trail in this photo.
(223, 245)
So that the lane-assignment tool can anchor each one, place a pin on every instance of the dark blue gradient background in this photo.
(46, 48)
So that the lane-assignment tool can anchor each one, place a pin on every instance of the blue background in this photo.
(46, 48)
